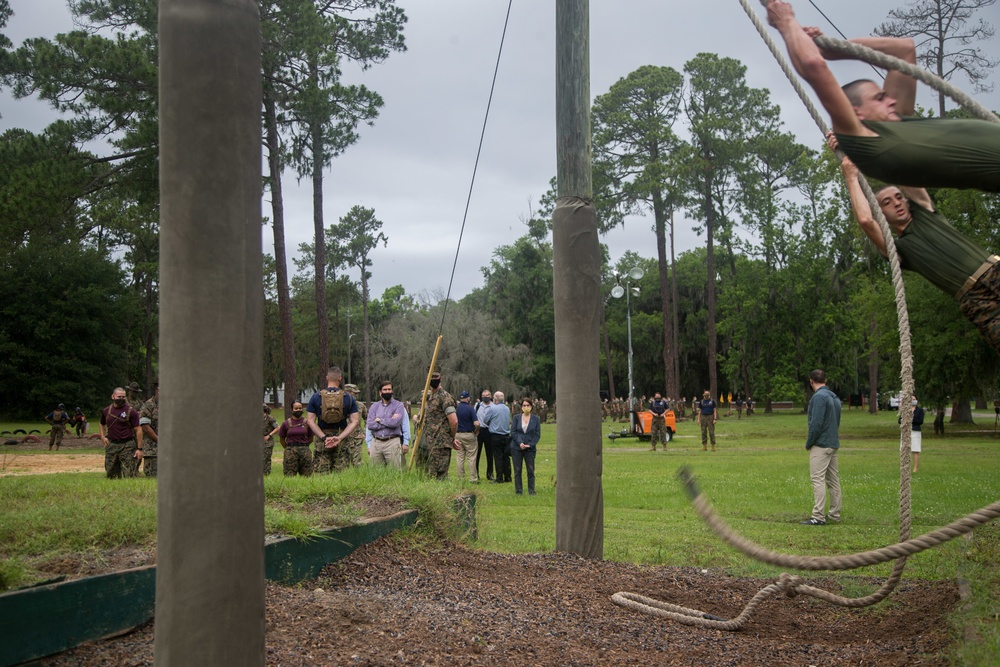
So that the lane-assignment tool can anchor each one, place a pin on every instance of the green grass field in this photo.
(757, 481)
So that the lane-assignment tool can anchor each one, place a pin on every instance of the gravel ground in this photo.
(395, 603)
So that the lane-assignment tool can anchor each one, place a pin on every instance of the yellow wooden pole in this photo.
(423, 404)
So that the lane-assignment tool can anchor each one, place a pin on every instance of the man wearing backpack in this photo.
(58, 418)
(336, 413)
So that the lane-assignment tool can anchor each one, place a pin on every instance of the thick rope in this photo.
(694, 617)
(792, 585)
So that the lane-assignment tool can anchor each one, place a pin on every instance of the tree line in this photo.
(783, 284)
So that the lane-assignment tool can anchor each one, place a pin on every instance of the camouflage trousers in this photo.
(297, 460)
(981, 305)
(55, 438)
(357, 443)
(119, 459)
(149, 458)
(337, 459)
(658, 431)
(268, 453)
(435, 462)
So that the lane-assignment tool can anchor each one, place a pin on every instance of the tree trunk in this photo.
(659, 214)
(713, 382)
(961, 412)
(322, 318)
(675, 326)
(281, 267)
(607, 354)
(873, 378)
(367, 393)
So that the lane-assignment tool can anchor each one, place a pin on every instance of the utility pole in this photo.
(576, 287)
(210, 522)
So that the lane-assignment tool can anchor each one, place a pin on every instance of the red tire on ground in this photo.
(30, 438)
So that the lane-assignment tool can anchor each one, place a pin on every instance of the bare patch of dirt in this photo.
(71, 457)
(394, 603)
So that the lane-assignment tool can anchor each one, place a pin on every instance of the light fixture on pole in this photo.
(626, 285)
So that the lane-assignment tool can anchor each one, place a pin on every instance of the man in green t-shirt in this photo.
(875, 125)
(928, 244)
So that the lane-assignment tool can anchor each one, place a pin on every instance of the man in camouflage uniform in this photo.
(270, 426)
(440, 426)
(332, 452)
(149, 420)
(58, 419)
(121, 436)
(357, 440)
(135, 399)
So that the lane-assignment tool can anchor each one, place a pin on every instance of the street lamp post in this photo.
(349, 337)
(630, 287)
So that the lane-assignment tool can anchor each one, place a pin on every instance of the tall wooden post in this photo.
(576, 290)
(210, 560)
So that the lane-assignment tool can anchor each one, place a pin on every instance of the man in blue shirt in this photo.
(708, 414)
(497, 420)
(822, 442)
(468, 428)
(658, 428)
(333, 452)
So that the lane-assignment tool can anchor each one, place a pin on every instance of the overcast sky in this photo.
(414, 166)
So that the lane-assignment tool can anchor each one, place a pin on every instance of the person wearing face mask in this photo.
(121, 436)
(440, 426)
(483, 434)
(524, 435)
(295, 434)
(497, 421)
(385, 429)
(468, 427)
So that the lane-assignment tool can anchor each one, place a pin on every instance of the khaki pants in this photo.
(825, 476)
(467, 454)
(387, 452)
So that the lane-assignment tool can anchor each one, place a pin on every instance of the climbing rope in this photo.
(792, 585)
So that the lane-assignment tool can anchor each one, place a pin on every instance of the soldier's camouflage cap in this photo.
(352, 388)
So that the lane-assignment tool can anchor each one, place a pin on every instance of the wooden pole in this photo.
(423, 404)
(210, 555)
(577, 295)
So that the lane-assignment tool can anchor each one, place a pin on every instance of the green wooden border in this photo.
(45, 620)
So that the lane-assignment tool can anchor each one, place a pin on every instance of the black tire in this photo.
(35, 431)
(20, 431)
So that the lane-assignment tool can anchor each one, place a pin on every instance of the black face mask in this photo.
(387, 396)
(296, 413)
(435, 383)
(119, 402)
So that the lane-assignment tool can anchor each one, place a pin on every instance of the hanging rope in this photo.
(475, 167)
(458, 248)
(791, 585)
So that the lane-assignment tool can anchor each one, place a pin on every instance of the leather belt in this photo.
(974, 278)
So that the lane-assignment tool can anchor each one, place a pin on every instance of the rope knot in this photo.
(789, 584)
